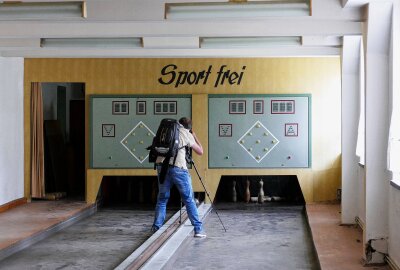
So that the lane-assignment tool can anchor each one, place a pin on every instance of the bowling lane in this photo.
(101, 241)
(265, 236)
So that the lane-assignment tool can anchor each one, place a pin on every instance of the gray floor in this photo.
(101, 241)
(258, 237)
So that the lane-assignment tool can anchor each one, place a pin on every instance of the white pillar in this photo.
(377, 129)
(394, 194)
(350, 117)
(12, 134)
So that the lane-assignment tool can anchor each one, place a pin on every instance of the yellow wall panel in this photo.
(319, 77)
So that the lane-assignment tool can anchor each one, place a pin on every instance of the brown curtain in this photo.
(37, 144)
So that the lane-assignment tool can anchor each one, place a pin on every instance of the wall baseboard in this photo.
(12, 204)
(360, 223)
(392, 264)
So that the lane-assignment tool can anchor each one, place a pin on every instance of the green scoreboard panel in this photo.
(259, 131)
(122, 127)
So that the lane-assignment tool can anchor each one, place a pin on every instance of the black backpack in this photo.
(165, 144)
(166, 141)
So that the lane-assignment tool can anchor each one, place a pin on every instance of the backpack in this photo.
(165, 144)
(166, 141)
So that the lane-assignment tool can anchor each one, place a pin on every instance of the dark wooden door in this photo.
(76, 154)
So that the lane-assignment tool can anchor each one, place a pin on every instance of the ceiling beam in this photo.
(142, 10)
(278, 27)
(178, 53)
(19, 43)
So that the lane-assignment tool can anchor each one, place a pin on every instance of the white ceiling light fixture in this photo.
(248, 42)
(233, 9)
(42, 10)
(133, 42)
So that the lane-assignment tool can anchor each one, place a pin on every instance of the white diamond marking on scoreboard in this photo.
(137, 140)
(258, 141)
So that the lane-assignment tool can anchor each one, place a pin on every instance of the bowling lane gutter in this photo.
(158, 249)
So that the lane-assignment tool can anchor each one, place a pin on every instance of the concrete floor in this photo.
(265, 236)
(101, 241)
(258, 237)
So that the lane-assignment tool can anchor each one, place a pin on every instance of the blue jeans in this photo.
(181, 178)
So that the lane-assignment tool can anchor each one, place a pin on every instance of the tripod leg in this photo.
(208, 195)
(180, 213)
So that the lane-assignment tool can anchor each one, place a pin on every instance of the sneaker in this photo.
(154, 229)
(200, 235)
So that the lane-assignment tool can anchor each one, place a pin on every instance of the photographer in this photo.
(178, 174)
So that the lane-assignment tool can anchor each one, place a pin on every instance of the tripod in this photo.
(205, 190)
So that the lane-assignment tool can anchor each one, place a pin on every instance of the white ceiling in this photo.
(177, 38)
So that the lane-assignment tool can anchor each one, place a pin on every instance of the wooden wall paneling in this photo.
(319, 77)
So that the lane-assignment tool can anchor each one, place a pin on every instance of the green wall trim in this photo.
(140, 95)
(307, 95)
(90, 130)
(309, 132)
(97, 113)
(258, 95)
